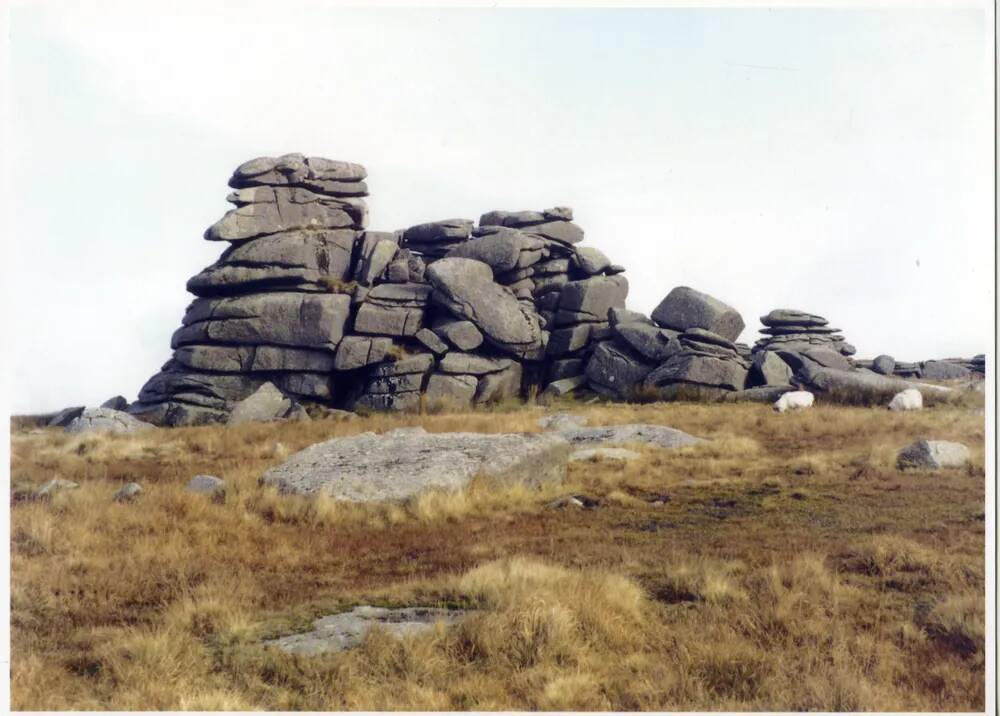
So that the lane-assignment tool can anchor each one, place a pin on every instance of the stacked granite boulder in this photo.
(687, 349)
(308, 304)
(307, 299)
(265, 311)
(793, 340)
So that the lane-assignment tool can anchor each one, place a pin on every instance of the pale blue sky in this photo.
(837, 161)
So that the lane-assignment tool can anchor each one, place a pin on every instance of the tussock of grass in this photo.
(783, 565)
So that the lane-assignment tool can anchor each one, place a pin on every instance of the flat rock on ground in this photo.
(114, 421)
(401, 463)
(339, 632)
(657, 435)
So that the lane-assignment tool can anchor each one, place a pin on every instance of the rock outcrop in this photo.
(310, 306)
(309, 309)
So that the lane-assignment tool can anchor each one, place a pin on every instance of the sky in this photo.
(838, 161)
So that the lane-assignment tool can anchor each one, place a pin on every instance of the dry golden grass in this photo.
(791, 568)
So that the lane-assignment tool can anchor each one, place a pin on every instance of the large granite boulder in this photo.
(264, 211)
(590, 300)
(402, 463)
(503, 251)
(768, 369)
(615, 371)
(884, 365)
(253, 359)
(932, 455)
(466, 288)
(685, 308)
(297, 260)
(267, 403)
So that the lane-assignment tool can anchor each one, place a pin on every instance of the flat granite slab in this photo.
(339, 632)
(401, 463)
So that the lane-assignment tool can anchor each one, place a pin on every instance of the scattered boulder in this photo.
(206, 484)
(402, 463)
(106, 419)
(932, 455)
(794, 400)
(128, 492)
(909, 399)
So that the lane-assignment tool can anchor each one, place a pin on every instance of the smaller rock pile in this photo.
(686, 348)
(794, 340)
(943, 369)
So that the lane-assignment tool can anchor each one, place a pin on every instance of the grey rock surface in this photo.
(400, 464)
(466, 288)
(302, 320)
(564, 386)
(116, 403)
(656, 435)
(883, 364)
(932, 455)
(65, 416)
(792, 317)
(615, 371)
(108, 420)
(698, 369)
(685, 308)
(206, 484)
(340, 632)
(253, 359)
(768, 369)
(943, 370)
(359, 351)
(128, 492)
(298, 260)
(265, 404)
